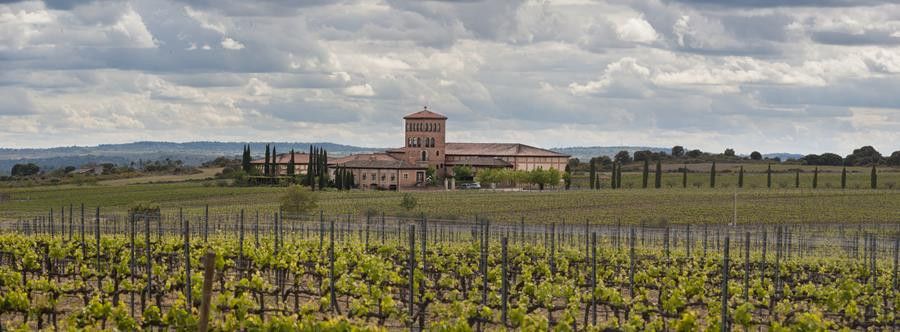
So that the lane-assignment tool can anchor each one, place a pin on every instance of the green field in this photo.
(755, 203)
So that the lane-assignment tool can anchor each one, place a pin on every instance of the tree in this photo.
(755, 155)
(273, 167)
(694, 153)
(612, 176)
(712, 175)
(28, 169)
(291, 166)
(873, 178)
(461, 172)
(816, 177)
(684, 172)
(567, 177)
(797, 179)
(298, 200)
(646, 173)
(769, 177)
(741, 177)
(844, 178)
(408, 202)
(593, 175)
(643, 155)
(894, 159)
(619, 177)
(339, 178)
(266, 164)
(246, 160)
(729, 152)
(623, 157)
(658, 183)
(863, 156)
(430, 173)
(323, 169)
(309, 167)
(678, 151)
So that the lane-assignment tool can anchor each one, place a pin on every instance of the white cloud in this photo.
(231, 44)
(637, 30)
(363, 90)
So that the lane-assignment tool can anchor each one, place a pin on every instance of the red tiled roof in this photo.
(425, 114)
(374, 160)
(480, 161)
(498, 149)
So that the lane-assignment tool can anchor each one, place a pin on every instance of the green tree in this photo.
(291, 167)
(323, 169)
(873, 178)
(246, 160)
(273, 168)
(712, 175)
(844, 178)
(741, 177)
(755, 155)
(769, 177)
(797, 179)
(623, 157)
(612, 176)
(339, 178)
(461, 172)
(684, 171)
(815, 178)
(567, 177)
(658, 183)
(646, 173)
(28, 169)
(298, 200)
(619, 177)
(266, 164)
(408, 202)
(593, 175)
(678, 151)
(729, 152)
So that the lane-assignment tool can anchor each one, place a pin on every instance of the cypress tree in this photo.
(339, 178)
(323, 170)
(844, 178)
(684, 176)
(313, 163)
(797, 179)
(658, 183)
(712, 175)
(873, 178)
(612, 176)
(291, 167)
(619, 177)
(245, 159)
(816, 177)
(646, 173)
(741, 177)
(769, 177)
(266, 165)
(593, 175)
(274, 167)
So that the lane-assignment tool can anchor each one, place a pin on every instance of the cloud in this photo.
(752, 75)
(637, 30)
(232, 44)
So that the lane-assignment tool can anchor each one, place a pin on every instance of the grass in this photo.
(755, 203)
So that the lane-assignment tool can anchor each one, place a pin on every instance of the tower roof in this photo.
(425, 114)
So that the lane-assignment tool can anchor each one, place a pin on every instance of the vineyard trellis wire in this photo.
(544, 274)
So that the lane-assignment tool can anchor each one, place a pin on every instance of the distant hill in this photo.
(782, 155)
(585, 153)
(191, 153)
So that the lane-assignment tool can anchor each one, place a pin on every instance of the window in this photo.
(424, 155)
(364, 176)
(382, 178)
(417, 142)
(393, 178)
(437, 153)
(405, 176)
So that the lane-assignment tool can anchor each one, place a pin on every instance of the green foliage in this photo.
(28, 169)
(297, 201)
(462, 172)
(408, 202)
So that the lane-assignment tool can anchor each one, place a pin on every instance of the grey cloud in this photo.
(16, 102)
(782, 3)
(869, 37)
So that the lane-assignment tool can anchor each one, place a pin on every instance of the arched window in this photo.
(417, 142)
(432, 142)
(438, 127)
(424, 155)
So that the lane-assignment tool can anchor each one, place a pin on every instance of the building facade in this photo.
(426, 148)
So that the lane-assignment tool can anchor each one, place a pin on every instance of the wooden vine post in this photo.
(209, 270)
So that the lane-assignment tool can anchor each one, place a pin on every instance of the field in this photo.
(629, 259)
(334, 274)
(696, 204)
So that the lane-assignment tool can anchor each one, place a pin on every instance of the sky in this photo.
(810, 77)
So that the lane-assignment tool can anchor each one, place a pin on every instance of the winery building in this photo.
(425, 146)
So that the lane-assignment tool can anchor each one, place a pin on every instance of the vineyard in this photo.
(92, 270)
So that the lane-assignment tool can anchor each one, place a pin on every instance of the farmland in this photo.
(633, 258)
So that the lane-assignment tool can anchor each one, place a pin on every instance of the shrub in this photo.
(298, 200)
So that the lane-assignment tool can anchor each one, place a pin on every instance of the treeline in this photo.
(615, 176)
(864, 156)
(539, 177)
(274, 171)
